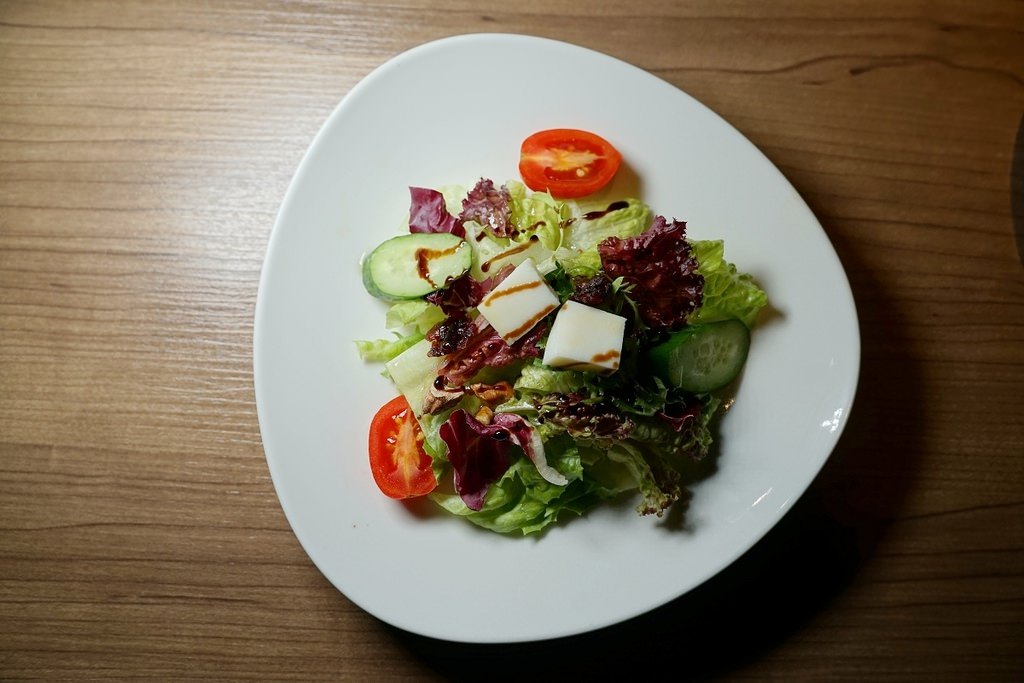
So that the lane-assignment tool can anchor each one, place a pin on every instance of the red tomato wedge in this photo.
(568, 163)
(399, 464)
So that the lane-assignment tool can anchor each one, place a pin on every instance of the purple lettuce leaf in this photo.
(661, 271)
(490, 207)
(478, 454)
(486, 348)
(428, 213)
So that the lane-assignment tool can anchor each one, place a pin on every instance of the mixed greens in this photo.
(515, 431)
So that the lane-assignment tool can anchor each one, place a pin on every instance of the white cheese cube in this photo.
(585, 338)
(519, 302)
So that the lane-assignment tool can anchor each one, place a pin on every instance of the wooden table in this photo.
(144, 151)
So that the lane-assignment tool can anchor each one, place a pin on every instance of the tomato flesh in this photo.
(567, 162)
(400, 466)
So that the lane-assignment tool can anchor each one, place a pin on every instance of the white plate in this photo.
(450, 112)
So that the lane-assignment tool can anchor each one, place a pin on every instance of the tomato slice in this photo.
(399, 464)
(567, 162)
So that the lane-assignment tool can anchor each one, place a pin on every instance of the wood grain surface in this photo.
(144, 150)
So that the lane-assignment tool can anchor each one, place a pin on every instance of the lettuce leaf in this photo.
(383, 350)
(537, 213)
(428, 212)
(728, 293)
(538, 378)
(416, 313)
(521, 501)
(693, 441)
(659, 269)
(622, 219)
(578, 263)
(657, 482)
(488, 206)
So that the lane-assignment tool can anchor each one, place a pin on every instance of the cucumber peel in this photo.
(703, 357)
(413, 265)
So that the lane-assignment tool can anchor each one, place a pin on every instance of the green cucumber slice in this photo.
(703, 357)
(410, 266)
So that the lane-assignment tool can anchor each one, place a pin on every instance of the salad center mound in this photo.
(551, 354)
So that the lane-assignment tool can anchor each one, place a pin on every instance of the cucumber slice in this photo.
(410, 266)
(702, 357)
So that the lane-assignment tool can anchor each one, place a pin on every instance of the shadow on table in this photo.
(733, 618)
(787, 578)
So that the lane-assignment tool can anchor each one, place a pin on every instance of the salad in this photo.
(550, 353)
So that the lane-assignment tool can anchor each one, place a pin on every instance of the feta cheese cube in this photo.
(519, 302)
(585, 338)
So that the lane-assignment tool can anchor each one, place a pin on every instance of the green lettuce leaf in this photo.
(578, 263)
(383, 350)
(490, 253)
(630, 218)
(416, 313)
(538, 378)
(728, 293)
(692, 442)
(657, 482)
(522, 501)
(537, 213)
